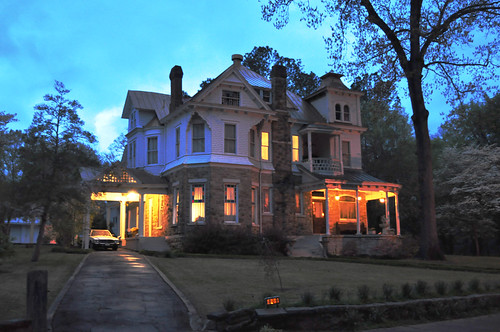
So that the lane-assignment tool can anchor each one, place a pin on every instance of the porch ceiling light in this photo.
(382, 200)
(337, 198)
(359, 198)
(132, 196)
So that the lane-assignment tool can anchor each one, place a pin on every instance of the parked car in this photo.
(102, 238)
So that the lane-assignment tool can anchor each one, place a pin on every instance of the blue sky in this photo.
(101, 49)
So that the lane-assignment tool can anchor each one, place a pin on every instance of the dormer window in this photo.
(132, 121)
(346, 113)
(230, 98)
(342, 114)
(338, 112)
(264, 94)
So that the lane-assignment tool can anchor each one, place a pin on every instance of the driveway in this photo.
(119, 291)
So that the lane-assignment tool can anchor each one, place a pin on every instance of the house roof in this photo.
(145, 100)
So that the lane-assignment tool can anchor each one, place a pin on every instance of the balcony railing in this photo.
(325, 166)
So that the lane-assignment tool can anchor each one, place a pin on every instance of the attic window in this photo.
(230, 98)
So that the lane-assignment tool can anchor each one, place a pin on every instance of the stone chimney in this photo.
(278, 86)
(283, 181)
(175, 87)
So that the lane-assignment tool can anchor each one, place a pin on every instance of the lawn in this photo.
(208, 282)
(13, 275)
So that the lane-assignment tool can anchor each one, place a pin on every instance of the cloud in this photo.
(108, 126)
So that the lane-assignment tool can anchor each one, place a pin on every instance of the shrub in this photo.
(334, 293)
(6, 246)
(421, 288)
(70, 250)
(388, 292)
(474, 285)
(364, 293)
(458, 286)
(406, 291)
(229, 304)
(308, 299)
(216, 239)
(441, 287)
(278, 241)
(267, 328)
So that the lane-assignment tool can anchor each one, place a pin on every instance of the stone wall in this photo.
(347, 317)
(362, 245)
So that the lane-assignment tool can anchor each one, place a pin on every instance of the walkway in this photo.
(119, 291)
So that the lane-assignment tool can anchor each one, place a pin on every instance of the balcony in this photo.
(325, 166)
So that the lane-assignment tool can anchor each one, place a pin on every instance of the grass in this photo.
(13, 275)
(207, 281)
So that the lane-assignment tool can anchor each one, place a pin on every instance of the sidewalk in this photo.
(487, 323)
(119, 291)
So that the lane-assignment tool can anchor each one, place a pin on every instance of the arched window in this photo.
(346, 113)
(338, 112)
(347, 207)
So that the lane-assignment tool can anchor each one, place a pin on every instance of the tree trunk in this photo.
(41, 232)
(429, 243)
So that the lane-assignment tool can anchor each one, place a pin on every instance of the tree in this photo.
(262, 59)
(415, 40)
(116, 150)
(468, 184)
(388, 144)
(55, 147)
(475, 123)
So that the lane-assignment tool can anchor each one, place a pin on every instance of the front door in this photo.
(319, 221)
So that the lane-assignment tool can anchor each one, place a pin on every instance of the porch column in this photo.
(358, 226)
(141, 216)
(309, 151)
(396, 203)
(108, 215)
(327, 212)
(387, 213)
(123, 217)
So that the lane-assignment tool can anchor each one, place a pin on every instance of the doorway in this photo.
(319, 221)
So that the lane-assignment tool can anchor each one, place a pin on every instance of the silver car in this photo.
(103, 239)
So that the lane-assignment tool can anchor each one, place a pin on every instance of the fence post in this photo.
(36, 301)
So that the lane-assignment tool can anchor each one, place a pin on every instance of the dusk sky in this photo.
(102, 49)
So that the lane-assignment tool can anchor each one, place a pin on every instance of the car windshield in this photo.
(100, 232)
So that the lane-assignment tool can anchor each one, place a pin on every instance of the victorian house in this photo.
(245, 152)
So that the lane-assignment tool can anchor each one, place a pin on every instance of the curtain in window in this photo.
(347, 207)
(230, 203)
(198, 203)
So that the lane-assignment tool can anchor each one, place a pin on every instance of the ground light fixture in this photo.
(272, 300)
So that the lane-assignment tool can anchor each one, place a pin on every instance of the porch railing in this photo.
(325, 166)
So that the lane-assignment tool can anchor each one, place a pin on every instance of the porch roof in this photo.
(350, 177)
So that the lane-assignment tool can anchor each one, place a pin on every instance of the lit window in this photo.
(338, 112)
(346, 113)
(265, 146)
(347, 207)
(346, 153)
(198, 137)
(230, 98)
(198, 203)
(230, 203)
(295, 148)
(266, 198)
(177, 142)
(175, 219)
(229, 138)
(298, 202)
(152, 150)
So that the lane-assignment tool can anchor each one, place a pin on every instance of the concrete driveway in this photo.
(119, 291)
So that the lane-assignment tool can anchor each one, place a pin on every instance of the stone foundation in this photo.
(362, 245)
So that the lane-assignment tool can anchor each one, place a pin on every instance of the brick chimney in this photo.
(175, 87)
(278, 86)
